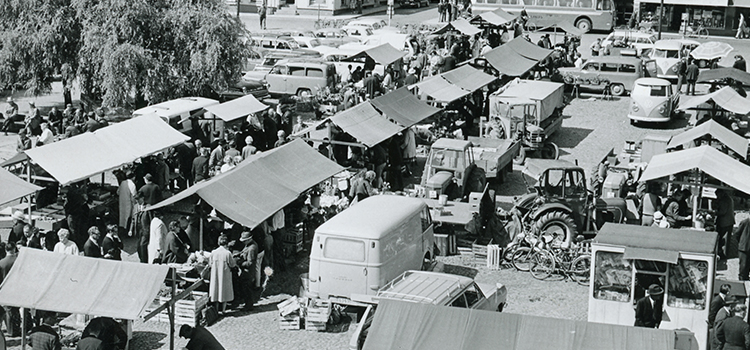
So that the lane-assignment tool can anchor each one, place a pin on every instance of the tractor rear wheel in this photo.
(558, 225)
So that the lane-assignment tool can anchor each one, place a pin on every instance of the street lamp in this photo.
(661, 14)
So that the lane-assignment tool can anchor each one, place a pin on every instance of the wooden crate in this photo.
(494, 257)
(292, 236)
(187, 311)
(479, 252)
(288, 307)
(291, 249)
(446, 244)
(315, 326)
(318, 311)
(290, 322)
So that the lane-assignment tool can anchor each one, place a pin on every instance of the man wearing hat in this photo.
(247, 261)
(648, 310)
(734, 333)
(150, 191)
(16, 233)
(724, 313)
(411, 78)
(200, 338)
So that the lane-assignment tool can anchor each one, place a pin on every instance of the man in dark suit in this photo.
(91, 248)
(734, 332)
(743, 230)
(717, 303)
(648, 310)
(724, 313)
(150, 191)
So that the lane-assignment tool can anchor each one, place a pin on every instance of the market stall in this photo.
(723, 76)
(14, 188)
(468, 78)
(76, 284)
(627, 259)
(384, 54)
(712, 134)
(516, 57)
(366, 124)
(726, 98)
(418, 326)
(230, 111)
(437, 89)
(494, 18)
(460, 25)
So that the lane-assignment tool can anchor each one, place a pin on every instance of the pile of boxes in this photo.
(291, 241)
(314, 312)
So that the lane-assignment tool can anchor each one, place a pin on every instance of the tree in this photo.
(123, 52)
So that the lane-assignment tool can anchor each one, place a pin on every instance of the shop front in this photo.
(719, 17)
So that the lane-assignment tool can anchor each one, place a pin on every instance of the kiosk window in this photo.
(613, 277)
(688, 281)
(648, 272)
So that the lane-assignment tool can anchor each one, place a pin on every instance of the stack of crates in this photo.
(291, 240)
(494, 257)
(289, 314)
(480, 254)
(318, 312)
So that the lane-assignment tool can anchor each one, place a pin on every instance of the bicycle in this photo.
(700, 32)
(574, 262)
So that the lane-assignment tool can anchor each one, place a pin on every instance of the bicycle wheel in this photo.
(520, 258)
(703, 33)
(581, 270)
(541, 264)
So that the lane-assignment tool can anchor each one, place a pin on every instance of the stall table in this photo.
(453, 213)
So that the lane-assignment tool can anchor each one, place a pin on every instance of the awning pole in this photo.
(200, 220)
(172, 305)
(28, 179)
(23, 328)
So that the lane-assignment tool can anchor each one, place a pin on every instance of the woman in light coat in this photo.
(221, 263)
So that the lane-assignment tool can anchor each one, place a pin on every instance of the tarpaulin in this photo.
(76, 284)
(440, 89)
(649, 237)
(263, 184)
(416, 326)
(384, 54)
(403, 107)
(496, 17)
(366, 124)
(547, 96)
(706, 159)
(237, 108)
(527, 49)
(717, 131)
(714, 75)
(508, 62)
(12, 187)
(468, 78)
(460, 25)
(80, 157)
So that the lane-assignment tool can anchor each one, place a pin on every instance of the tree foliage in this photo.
(122, 51)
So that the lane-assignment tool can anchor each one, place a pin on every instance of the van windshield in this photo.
(344, 249)
(662, 53)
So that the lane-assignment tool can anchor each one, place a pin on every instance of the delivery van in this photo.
(178, 112)
(363, 248)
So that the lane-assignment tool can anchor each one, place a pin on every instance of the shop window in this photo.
(688, 281)
(613, 278)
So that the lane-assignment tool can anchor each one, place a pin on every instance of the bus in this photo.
(585, 14)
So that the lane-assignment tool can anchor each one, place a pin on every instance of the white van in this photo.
(366, 246)
(177, 112)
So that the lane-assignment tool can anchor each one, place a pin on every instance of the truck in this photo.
(529, 111)
(458, 167)
(433, 288)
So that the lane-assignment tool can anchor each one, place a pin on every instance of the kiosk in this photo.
(627, 259)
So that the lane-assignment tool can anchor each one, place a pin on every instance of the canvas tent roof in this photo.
(263, 184)
(105, 149)
(81, 285)
(237, 108)
(384, 54)
(13, 187)
(496, 17)
(527, 49)
(717, 131)
(468, 78)
(403, 107)
(566, 27)
(416, 326)
(366, 124)
(712, 75)
(706, 159)
(725, 97)
(509, 62)
(460, 25)
(656, 238)
(440, 89)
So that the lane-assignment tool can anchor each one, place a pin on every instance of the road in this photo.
(591, 127)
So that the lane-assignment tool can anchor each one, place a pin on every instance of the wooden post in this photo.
(23, 327)
(28, 179)
(173, 273)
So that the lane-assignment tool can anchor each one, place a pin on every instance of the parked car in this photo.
(334, 37)
(278, 44)
(298, 76)
(652, 100)
(616, 72)
(437, 289)
(414, 3)
(370, 23)
(360, 33)
(307, 42)
(640, 41)
(667, 53)
(244, 87)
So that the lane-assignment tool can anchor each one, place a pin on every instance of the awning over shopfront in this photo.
(440, 89)
(81, 285)
(13, 188)
(725, 98)
(105, 149)
(706, 159)
(496, 17)
(237, 108)
(717, 131)
(384, 54)
(366, 124)
(263, 184)
(655, 238)
(417, 326)
(460, 25)
(403, 107)
(719, 74)
(468, 78)
(690, 2)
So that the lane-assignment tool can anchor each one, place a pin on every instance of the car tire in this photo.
(617, 89)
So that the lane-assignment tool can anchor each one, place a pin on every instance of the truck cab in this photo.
(448, 168)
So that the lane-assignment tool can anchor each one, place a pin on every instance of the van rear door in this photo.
(343, 267)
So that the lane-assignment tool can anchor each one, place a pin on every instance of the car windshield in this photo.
(664, 53)
(650, 90)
